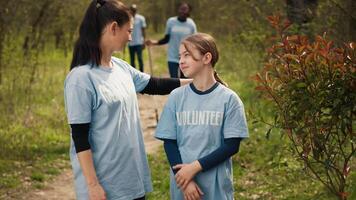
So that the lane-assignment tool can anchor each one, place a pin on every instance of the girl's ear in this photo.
(207, 58)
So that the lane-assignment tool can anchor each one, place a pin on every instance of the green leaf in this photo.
(301, 85)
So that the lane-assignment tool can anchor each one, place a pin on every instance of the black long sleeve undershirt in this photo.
(161, 86)
(172, 152)
(229, 148)
(80, 136)
(164, 40)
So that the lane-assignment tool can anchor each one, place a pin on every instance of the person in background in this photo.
(177, 28)
(137, 45)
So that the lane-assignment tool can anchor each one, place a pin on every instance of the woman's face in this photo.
(122, 35)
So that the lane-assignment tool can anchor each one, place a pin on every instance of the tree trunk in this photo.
(295, 11)
(352, 23)
(1, 48)
(302, 12)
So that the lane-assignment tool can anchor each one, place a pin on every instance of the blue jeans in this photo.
(136, 49)
(173, 70)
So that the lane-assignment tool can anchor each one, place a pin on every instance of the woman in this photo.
(107, 150)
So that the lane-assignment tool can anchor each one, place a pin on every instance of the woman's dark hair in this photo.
(98, 15)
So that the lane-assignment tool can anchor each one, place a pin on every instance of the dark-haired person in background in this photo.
(107, 151)
(177, 29)
(136, 45)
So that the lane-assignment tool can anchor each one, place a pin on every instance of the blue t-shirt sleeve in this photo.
(140, 79)
(168, 27)
(78, 103)
(235, 125)
(194, 27)
(143, 22)
(167, 127)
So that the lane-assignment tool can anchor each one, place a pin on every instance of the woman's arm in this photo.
(80, 136)
(86, 163)
(185, 81)
(163, 86)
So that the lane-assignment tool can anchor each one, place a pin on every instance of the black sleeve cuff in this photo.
(80, 135)
(165, 40)
(161, 86)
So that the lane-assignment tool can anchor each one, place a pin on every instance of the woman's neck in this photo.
(106, 58)
(204, 80)
(106, 52)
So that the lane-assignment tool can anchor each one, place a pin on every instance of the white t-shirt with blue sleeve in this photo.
(200, 122)
(178, 31)
(137, 35)
(106, 98)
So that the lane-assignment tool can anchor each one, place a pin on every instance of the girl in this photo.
(107, 151)
(201, 125)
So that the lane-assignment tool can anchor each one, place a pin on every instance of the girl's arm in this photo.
(174, 158)
(230, 147)
(188, 171)
(163, 86)
(172, 152)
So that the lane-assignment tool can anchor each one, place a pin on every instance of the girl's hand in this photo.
(186, 173)
(96, 192)
(192, 192)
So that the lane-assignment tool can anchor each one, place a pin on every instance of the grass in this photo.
(34, 134)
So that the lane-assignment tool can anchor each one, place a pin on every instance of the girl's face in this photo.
(121, 35)
(190, 62)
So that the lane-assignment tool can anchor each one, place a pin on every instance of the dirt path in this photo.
(62, 187)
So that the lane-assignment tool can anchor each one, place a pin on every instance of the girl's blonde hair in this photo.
(204, 43)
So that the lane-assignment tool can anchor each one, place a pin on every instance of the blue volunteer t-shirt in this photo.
(200, 122)
(137, 35)
(178, 31)
(106, 98)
